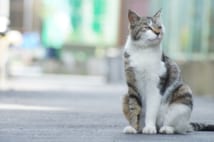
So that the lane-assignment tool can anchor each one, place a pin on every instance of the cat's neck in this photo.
(135, 46)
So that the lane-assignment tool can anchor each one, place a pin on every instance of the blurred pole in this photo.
(4, 8)
(28, 15)
(3, 62)
(4, 16)
(123, 23)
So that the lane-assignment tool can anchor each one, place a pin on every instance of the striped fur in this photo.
(202, 127)
(131, 101)
(156, 93)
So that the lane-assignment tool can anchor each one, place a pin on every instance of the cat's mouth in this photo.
(156, 39)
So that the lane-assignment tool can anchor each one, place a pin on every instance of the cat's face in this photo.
(146, 31)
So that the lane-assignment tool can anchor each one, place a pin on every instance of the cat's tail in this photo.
(202, 126)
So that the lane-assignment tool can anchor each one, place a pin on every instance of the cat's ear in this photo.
(157, 16)
(132, 16)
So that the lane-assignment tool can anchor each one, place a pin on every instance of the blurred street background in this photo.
(86, 37)
(61, 68)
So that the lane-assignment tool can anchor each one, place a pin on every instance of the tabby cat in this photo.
(157, 98)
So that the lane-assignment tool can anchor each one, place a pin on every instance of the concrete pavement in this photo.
(91, 115)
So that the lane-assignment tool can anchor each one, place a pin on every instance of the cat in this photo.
(158, 101)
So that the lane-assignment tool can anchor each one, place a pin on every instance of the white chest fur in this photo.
(147, 64)
(145, 60)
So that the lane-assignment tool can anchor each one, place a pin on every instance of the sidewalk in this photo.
(51, 82)
(80, 115)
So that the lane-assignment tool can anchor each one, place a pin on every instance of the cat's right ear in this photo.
(132, 16)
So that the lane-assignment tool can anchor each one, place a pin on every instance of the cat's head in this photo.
(146, 31)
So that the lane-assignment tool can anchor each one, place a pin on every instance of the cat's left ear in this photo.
(132, 16)
(157, 15)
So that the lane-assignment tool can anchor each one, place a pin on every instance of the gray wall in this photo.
(199, 75)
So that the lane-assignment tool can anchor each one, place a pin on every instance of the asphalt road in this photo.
(81, 116)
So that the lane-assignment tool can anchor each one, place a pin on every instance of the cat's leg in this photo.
(176, 119)
(132, 111)
(153, 99)
(152, 104)
(132, 101)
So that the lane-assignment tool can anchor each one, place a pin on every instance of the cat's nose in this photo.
(157, 33)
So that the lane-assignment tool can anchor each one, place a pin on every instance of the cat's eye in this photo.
(148, 28)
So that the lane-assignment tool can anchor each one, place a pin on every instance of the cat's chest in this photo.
(148, 68)
(146, 62)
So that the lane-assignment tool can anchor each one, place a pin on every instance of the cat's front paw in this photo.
(166, 130)
(129, 130)
(149, 130)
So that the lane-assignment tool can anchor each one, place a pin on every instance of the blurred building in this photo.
(189, 39)
(90, 34)
(24, 15)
